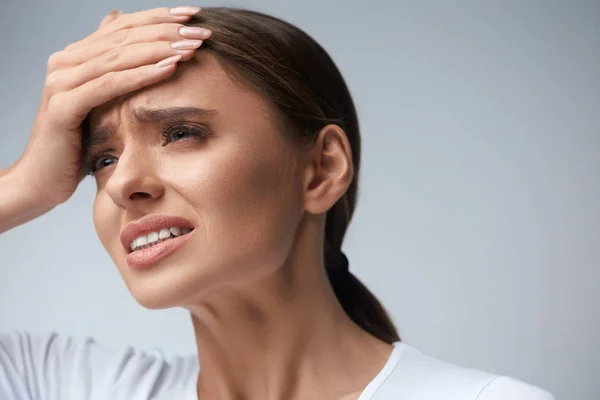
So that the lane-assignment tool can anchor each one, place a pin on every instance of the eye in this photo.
(182, 131)
(176, 134)
(173, 133)
(97, 162)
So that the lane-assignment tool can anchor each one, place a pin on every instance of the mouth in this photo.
(154, 238)
(151, 254)
(153, 230)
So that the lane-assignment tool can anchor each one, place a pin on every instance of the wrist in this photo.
(18, 204)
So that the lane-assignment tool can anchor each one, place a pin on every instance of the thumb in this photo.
(114, 14)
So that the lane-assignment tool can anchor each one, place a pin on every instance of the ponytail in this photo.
(356, 300)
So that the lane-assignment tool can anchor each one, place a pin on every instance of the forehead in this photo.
(201, 82)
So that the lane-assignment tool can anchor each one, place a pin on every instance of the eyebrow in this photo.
(101, 135)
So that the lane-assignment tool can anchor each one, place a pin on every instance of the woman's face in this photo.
(237, 185)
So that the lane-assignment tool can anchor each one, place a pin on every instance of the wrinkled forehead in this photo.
(200, 82)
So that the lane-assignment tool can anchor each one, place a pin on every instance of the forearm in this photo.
(17, 206)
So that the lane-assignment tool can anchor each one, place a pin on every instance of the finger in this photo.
(119, 59)
(148, 17)
(114, 14)
(70, 108)
(148, 33)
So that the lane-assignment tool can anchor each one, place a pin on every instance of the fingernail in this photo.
(186, 44)
(192, 32)
(116, 13)
(185, 11)
(169, 61)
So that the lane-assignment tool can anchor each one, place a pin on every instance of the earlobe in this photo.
(330, 170)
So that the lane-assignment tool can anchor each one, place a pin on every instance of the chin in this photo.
(175, 285)
(156, 298)
(155, 302)
(162, 289)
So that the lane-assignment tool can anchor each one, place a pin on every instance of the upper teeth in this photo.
(156, 236)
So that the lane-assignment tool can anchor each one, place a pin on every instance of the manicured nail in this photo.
(186, 44)
(169, 61)
(185, 11)
(192, 32)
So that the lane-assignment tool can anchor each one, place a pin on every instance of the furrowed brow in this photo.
(145, 115)
(102, 134)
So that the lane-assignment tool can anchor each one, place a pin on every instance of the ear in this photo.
(329, 170)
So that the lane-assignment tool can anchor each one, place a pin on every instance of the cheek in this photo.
(247, 202)
(107, 230)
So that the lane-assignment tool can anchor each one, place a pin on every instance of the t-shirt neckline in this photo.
(370, 389)
(384, 373)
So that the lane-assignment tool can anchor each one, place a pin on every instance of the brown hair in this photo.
(294, 73)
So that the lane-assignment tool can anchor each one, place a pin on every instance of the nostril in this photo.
(142, 195)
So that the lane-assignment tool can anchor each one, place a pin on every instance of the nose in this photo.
(134, 182)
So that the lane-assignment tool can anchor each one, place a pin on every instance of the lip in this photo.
(146, 257)
(149, 224)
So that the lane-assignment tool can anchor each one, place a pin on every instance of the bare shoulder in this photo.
(504, 387)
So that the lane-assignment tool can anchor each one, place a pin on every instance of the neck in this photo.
(283, 336)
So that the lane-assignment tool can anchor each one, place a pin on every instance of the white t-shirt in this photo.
(58, 367)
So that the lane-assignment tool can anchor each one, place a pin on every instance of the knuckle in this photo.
(138, 79)
(121, 37)
(155, 19)
(53, 82)
(111, 56)
(107, 81)
(124, 24)
(160, 12)
(168, 31)
(61, 109)
(54, 60)
(56, 103)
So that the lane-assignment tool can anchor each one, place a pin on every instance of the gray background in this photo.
(478, 223)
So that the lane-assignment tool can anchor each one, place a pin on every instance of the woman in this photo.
(225, 148)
